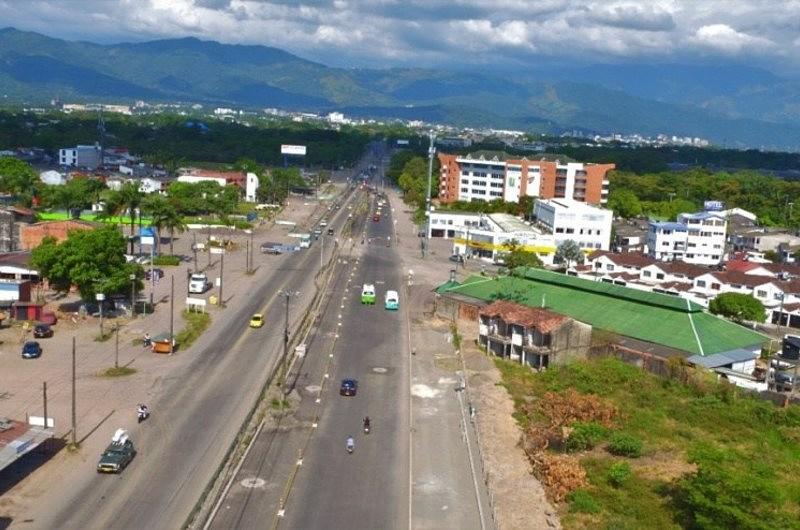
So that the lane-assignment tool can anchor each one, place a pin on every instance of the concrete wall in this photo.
(570, 343)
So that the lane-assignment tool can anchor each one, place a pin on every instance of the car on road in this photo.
(118, 454)
(31, 350)
(42, 331)
(330, 231)
(368, 294)
(349, 387)
(376, 218)
(150, 273)
(272, 248)
(391, 300)
(457, 258)
(323, 223)
(257, 320)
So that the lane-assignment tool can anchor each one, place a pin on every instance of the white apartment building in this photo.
(697, 238)
(587, 225)
(87, 156)
(480, 179)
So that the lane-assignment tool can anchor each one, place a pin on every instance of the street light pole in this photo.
(133, 295)
(74, 414)
(221, 277)
(171, 314)
(116, 346)
(431, 151)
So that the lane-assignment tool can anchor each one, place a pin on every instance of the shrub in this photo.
(625, 444)
(581, 501)
(242, 225)
(167, 260)
(585, 436)
(619, 473)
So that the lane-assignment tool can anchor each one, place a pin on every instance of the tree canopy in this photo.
(16, 176)
(517, 256)
(738, 307)
(92, 260)
(569, 252)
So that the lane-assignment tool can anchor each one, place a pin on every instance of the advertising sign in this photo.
(299, 150)
(713, 206)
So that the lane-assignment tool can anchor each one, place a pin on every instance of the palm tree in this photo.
(157, 208)
(131, 198)
(166, 216)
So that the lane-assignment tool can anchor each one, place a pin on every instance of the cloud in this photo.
(725, 39)
(441, 32)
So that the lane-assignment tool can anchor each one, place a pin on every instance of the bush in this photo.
(625, 444)
(585, 436)
(619, 473)
(167, 261)
(242, 225)
(581, 501)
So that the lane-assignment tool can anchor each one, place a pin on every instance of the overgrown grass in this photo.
(166, 260)
(196, 324)
(709, 456)
(118, 372)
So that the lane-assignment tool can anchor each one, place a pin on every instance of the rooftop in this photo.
(679, 227)
(721, 359)
(529, 317)
(657, 318)
(509, 223)
(569, 204)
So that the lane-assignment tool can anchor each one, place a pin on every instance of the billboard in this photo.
(713, 206)
(402, 142)
(299, 150)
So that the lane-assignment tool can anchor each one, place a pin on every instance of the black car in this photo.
(349, 387)
(42, 331)
(330, 231)
(784, 381)
(31, 350)
(457, 258)
(149, 273)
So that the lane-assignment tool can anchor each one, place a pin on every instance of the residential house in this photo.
(532, 336)
(763, 239)
(697, 238)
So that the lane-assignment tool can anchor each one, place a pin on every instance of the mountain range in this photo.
(735, 106)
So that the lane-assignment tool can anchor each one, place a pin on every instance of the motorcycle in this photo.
(366, 426)
(142, 413)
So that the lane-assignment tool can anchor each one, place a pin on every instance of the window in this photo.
(464, 181)
(690, 256)
(761, 293)
(659, 276)
(570, 230)
(701, 283)
(464, 190)
(778, 296)
(496, 193)
(646, 274)
(715, 286)
(610, 267)
(715, 257)
(692, 245)
(559, 230)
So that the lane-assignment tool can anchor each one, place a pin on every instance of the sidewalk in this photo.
(511, 496)
(101, 400)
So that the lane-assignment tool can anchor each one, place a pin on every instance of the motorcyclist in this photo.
(142, 410)
(147, 340)
(366, 423)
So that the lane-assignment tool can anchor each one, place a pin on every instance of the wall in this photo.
(31, 236)
(571, 342)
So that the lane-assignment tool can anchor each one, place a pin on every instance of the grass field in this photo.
(63, 216)
(635, 316)
(710, 456)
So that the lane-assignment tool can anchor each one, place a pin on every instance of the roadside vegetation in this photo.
(618, 447)
(196, 324)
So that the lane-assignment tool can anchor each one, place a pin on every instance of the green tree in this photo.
(738, 307)
(16, 176)
(517, 256)
(164, 215)
(127, 199)
(625, 204)
(414, 181)
(772, 255)
(92, 260)
(77, 194)
(569, 252)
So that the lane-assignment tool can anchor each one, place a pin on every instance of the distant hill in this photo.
(36, 68)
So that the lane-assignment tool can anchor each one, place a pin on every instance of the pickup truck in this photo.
(118, 454)
(198, 283)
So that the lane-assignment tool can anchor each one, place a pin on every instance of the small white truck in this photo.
(198, 283)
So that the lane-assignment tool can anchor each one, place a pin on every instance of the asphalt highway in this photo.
(194, 420)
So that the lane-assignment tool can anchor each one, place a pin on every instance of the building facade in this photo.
(588, 226)
(487, 176)
(697, 238)
(87, 156)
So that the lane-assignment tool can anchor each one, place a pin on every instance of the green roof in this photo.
(645, 316)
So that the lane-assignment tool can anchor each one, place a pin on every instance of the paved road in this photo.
(370, 488)
(194, 421)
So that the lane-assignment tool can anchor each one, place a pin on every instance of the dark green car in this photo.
(118, 454)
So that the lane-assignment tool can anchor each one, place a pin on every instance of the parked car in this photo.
(31, 350)
(42, 331)
(784, 381)
(349, 387)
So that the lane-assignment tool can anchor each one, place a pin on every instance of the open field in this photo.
(708, 455)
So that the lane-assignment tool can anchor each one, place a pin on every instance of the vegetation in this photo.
(16, 176)
(519, 257)
(196, 324)
(119, 371)
(77, 194)
(569, 252)
(711, 457)
(666, 194)
(166, 261)
(92, 260)
(739, 307)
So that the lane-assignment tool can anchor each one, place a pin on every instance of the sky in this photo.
(385, 33)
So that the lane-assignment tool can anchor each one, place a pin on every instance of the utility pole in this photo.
(152, 273)
(321, 249)
(221, 276)
(74, 415)
(252, 250)
(171, 314)
(44, 396)
(431, 151)
(133, 295)
(194, 249)
(247, 256)
(116, 346)
(287, 295)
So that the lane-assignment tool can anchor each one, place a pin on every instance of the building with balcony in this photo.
(490, 175)
(532, 336)
(587, 225)
(697, 238)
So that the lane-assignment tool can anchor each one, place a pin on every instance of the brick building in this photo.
(488, 176)
(31, 236)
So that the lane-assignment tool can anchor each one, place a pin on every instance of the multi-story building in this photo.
(697, 238)
(87, 156)
(488, 176)
(587, 225)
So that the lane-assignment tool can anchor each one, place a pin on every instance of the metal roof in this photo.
(670, 226)
(723, 358)
(18, 438)
(509, 223)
